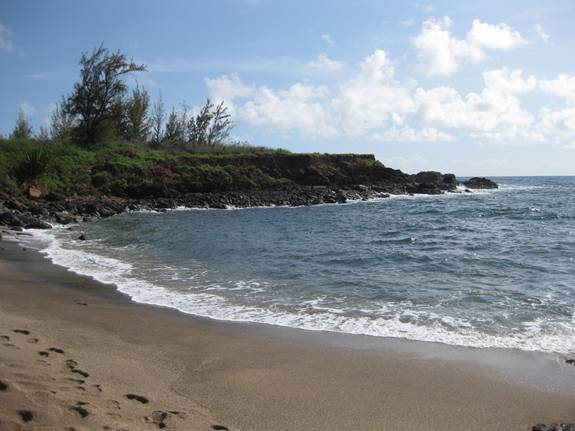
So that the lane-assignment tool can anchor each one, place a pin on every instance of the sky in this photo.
(472, 88)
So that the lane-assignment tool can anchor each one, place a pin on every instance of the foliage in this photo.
(32, 164)
(100, 90)
(61, 123)
(136, 124)
(156, 122)
(22, 129)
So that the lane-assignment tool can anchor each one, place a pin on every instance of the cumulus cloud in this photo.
(559, 122)
(325, 64)
(441, 52)
(372, 99)
(301, 107)
(563, 86)
(6, 43)
(495, 37)
(371, 103)
(495, 113)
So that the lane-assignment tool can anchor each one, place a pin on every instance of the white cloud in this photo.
(408, 134)
(559, 122)
(442, 53)
(6, 43)
(495, 113)
(374, 105)
(301, 107)
(541, 33)
(563, 86)
(226, 88)
(372, 99)
(495, 37)
(328, 39)
(325, 64)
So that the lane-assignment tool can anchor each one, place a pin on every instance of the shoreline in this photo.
(246, 376)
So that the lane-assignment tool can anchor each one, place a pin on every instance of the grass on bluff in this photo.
(125, 169)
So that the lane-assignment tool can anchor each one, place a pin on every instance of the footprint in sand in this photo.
(3, 386)
(21, 331)
(4, 337)
(138, 398)
(56, 350)
(73, 366)
(220, 428)
(43, 353)
(80, 410)
(159, 417)
(26, 415)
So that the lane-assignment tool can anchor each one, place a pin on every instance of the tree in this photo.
(211, 126)
(61, 123)
(157, 121)
(198, 126)
(136, 124)
(173, 128)
(220, 126)
(22, 129)
(100, 88)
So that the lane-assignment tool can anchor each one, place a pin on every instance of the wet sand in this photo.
(75, 354)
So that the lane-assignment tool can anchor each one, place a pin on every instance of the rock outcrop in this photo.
(480, 183)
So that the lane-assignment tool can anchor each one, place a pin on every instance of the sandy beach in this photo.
(76, 355)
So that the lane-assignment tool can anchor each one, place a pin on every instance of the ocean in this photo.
(489, 269)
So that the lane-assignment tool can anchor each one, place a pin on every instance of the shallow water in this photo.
(488, 269)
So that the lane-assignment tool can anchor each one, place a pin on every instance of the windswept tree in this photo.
(211, 126)
(220, 126)
(100, 88)
(157, 118)
(22, 129)
(136, 124)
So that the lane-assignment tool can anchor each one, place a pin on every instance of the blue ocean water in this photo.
(488, 269)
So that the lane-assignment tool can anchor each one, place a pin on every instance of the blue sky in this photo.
(466, 87)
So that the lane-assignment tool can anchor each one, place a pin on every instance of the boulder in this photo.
(38, 225)
(430, 182)
(480, 183)
(65, 218)
(428, 177)
(10, 219)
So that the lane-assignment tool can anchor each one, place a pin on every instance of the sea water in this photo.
(485, 269)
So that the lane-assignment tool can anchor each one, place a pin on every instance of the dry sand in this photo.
(73, 352)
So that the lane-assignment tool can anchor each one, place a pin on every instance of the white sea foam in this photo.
(312, 315)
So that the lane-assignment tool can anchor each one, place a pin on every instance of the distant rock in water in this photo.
(480, 183)
(431, 182)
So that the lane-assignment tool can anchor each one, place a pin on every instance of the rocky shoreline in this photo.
(39, 211)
